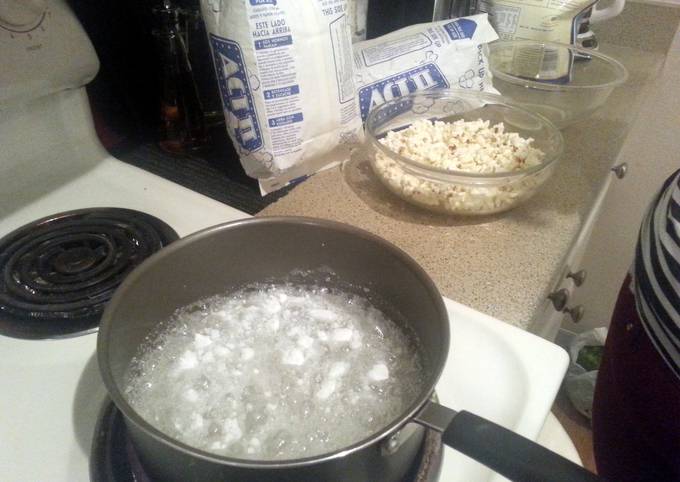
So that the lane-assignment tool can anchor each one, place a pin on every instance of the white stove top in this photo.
(51, 388)
(52, 392)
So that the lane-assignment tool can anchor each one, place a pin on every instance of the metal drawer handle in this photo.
(559, 298)
(620, 170)
(576, 313)
(579, 277)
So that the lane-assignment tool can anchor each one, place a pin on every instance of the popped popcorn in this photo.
(467, 146)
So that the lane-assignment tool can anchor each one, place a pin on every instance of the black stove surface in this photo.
(113, 457)
(58, 273)
(215, 173)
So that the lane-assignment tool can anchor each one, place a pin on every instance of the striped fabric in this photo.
(657, 273)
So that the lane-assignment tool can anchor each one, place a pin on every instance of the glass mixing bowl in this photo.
(565, 83)
(459, 192)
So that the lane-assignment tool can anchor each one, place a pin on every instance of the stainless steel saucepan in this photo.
(229, 256)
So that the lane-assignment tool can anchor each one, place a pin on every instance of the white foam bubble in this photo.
(201, 341)
(338, 369)
(379, 372)
(293, 357)
(327, 389)
(342, 334)
(188, 360)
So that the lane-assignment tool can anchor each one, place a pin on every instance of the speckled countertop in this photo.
(502, 265)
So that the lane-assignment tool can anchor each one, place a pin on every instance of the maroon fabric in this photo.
(636, 411)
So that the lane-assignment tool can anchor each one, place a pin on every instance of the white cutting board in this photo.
(499, 372)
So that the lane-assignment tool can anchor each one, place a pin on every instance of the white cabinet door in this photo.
(549, 320)
(607, 256)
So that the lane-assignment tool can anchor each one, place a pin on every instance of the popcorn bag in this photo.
(444, 54)
(286, 78)
(550, 21)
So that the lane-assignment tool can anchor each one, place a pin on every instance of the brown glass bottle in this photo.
(182, 126)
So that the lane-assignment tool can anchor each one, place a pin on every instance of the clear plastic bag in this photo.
(585, 352)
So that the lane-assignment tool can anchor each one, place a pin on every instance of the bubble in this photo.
(277, 441)
(255, 420)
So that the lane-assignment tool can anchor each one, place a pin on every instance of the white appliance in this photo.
(51, 161)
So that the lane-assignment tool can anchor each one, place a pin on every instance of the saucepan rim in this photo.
(104, 347)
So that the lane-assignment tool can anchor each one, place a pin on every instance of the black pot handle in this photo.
(511, 455)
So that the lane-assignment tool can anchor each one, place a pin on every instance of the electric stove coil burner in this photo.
(58, 273)
(113, 457)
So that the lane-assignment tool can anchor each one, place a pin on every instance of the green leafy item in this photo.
(590, 357)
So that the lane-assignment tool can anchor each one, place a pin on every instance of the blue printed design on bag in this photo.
(281, 92)
(237, 98)
(386, 115)
(270, 43)
(285, 120)
(423, 77)
(461, 28)
(255, 3)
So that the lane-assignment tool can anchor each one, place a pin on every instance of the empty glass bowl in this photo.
(565, 83)
(459, 192)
